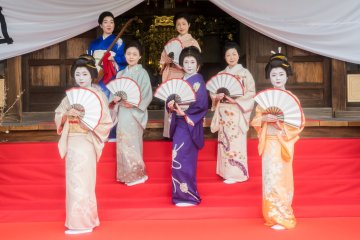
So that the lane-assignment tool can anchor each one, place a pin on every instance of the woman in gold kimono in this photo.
(276, 146)
(81, 148)
(169, 69)
(231, 119)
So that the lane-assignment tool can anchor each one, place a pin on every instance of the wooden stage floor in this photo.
(39, 126)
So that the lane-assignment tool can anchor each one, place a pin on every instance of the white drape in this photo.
(35, 24)
(327, 27)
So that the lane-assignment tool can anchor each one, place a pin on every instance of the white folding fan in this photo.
(225, 83)
(83, 98)
(127, 89)
(282, 104)
(178, 89)
(173, 49)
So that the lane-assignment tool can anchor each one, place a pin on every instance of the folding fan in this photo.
(173, 49)
(282, 104)
(225, 83)
(89, 101)
(176, 89)
(127, 89)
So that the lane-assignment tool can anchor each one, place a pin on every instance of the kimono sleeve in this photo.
(119, 54)
(146, 90)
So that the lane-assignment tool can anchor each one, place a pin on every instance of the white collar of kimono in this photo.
(184, 37)
(132, 69)
(105, 37)
(187, 76)
(234, 69)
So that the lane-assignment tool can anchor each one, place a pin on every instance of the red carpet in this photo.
(327, 184)
(210, 229)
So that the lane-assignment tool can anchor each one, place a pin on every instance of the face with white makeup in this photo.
(190, 65)
(82, 77)
(190, 60)
(278, 77)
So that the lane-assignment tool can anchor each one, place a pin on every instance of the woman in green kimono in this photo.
(132, 121)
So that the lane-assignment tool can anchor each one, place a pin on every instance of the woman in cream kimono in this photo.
(81, 148)
(132, 121)
(169, 69)
(231, 120)
(276, 146)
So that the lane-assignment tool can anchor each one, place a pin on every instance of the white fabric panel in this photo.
(327, 27)
(35, 24)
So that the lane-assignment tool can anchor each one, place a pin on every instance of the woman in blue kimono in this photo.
(115, 57)
(186, 130)
(99, 46)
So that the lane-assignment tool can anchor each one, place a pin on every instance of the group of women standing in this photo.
(82, 147)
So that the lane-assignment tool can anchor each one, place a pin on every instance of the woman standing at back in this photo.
(170, 69)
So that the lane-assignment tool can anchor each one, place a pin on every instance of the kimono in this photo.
(187, 141)
(170, 71)
(130, 128)
(81, 149)
(232, 123)
(97, 49)
(276, 146)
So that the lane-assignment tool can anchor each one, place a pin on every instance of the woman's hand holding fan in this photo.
(72, 112)
(85, 105)
(270, 118)
(126, 91)
(176, 89)
(280, 106)
(173, 106)
(226, 86)
(173, 49)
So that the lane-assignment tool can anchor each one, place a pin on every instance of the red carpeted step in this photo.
(37, 173)
(327, 183)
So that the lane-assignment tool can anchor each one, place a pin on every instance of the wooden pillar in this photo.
(13, 85)
(338, 85)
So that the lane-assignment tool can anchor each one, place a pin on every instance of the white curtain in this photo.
(327, 27)
(35, 24)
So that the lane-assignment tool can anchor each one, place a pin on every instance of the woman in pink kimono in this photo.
(169, 69)
(276, 146)
(231, 121)
(81, 148)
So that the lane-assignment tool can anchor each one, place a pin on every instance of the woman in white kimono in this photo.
(132, 121)
(231, 120)
(81, 148)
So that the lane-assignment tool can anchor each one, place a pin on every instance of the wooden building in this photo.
(327, 88)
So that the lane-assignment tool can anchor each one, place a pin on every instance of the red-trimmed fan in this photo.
(225, 83)
(87, 100)
(282, 104)
(173, 49)
(176, 89)
(127, 89)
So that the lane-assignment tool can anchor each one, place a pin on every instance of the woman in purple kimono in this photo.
(186, 130)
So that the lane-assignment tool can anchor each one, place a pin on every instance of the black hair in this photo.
(191, 51)
(136, 44)
(181, 15)
(278, 60)
(104, 15)
(87, 61)
(231, 45)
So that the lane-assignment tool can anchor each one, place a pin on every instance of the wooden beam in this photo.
(13, 84)
(338, 84)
